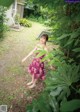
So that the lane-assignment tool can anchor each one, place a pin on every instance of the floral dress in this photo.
(36, 68)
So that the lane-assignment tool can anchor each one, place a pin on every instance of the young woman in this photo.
(36, 68)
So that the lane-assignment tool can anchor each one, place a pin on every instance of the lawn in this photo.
(13, 74)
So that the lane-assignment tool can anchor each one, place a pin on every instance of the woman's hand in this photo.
(23, 60)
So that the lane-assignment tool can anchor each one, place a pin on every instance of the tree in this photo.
(6, 3)
(3, 3)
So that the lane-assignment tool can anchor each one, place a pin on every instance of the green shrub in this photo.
(2, 20)
(40, 19)
(60, 86)
(6, 3)
(25, 22)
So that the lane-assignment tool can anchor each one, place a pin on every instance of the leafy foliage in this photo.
(70, 106)
(6, 3)
(2, 20)
(59, 85)
(25, 22)
(41, 104)
(65, 21)
(3, 5)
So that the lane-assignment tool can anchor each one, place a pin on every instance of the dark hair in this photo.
(45, 35)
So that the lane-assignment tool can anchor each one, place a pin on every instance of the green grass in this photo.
(15, 69)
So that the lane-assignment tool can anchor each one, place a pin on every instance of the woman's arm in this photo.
(24, 59)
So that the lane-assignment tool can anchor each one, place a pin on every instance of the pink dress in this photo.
(36, 68)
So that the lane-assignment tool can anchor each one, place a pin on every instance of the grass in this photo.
(17, 69)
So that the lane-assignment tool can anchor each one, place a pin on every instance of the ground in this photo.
(13, 74)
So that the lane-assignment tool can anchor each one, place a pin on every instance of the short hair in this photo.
(46, 36)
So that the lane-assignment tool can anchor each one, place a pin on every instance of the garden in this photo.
(60, 91)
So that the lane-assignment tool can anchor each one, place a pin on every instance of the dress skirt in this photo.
(36, 68)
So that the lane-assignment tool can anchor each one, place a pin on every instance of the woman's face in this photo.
(42, 40)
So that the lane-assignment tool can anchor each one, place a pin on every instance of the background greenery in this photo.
(6, 3)
(3, 27)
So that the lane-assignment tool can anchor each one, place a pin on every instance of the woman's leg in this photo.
(34, 84)
(29, 83)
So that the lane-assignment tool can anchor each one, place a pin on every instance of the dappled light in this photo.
(39, 56)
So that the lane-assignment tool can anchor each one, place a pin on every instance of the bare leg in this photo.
(34, 84)
(29, 83)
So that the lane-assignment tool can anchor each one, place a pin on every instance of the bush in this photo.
(60, 91)
(62, 86)
(25, 22)
(2, 20)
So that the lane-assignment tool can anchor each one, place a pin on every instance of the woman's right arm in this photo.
(24, 59)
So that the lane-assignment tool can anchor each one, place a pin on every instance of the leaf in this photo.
(76, 42)
(70, 106)
(40, 53)
(74, 35)
(63, 36)
(69, 42)
(76, 49)
(56, 92)
(54, 104)
(64, 93)
(78, 56)
(75, 74)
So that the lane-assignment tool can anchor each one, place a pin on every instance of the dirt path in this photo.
(13, 75)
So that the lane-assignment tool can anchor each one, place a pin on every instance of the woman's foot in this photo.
(32, 86)
(29, 83)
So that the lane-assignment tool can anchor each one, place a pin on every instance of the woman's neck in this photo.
(43, 44)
